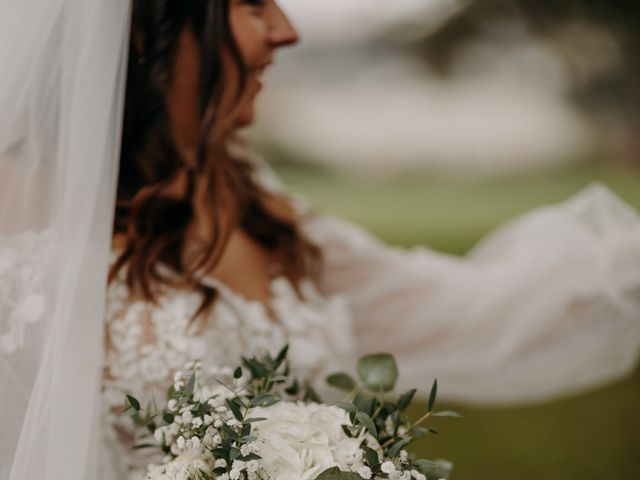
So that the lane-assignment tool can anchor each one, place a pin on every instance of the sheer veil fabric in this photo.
(61, 97)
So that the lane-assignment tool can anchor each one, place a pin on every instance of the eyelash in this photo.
(256, 3)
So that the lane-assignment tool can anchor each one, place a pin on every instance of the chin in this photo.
(245, 118)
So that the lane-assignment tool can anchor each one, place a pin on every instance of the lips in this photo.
(259, 69)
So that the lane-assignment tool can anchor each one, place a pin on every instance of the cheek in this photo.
(249, 33)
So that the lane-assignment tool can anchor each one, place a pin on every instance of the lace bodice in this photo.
(147, 343)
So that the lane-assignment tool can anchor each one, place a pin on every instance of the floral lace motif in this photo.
(22, 299)
(147, 343)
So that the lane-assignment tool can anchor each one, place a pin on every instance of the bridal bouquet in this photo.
(256, 423)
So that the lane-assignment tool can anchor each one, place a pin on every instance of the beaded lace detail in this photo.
(146, 344)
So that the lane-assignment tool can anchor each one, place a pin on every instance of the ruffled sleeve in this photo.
(547, 305)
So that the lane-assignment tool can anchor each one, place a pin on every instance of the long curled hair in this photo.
(154, 219)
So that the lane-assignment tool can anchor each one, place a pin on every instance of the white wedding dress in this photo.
(546, 306)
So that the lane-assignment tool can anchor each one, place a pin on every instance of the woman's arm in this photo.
(546, 306)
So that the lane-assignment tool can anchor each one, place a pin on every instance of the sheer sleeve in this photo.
(547, 305)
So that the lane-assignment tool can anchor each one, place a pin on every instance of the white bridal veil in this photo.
(61, 95)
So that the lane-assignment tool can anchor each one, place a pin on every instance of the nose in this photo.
(282, 32)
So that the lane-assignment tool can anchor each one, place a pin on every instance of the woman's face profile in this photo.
(259, 28)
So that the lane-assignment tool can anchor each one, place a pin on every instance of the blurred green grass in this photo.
(593, 436)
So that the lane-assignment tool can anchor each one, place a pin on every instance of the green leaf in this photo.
(144, 445)
(361, 402)
(133, 403)
(254, 419)
(396, 447)
(348, 431)
(447, 413)
(251, 456)
(341, 380)
(349, 407)
(434, 470)
(255, 367)
(371, 456)
(237, 373)
(235, 409)
(168, 418)
(230, 432)
(334, 473)
(366, 421)
(432, 395)
(234, 454)
(293, 389)
(419, 431)
(191, 384)
(405, 399)
(379, 372)
(310, 395)
(221, 452)
(282, 355)
(264, 400)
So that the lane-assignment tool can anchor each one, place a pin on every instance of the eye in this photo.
(255, 3)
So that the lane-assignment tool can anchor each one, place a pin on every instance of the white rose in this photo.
(298, 441)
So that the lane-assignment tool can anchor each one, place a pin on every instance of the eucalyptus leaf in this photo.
(396, 447)
(144, 445)
(191, 384)
(447, 413)
(234, 453)
(134, 403)
(405, 400)
(257, 369)
(254, 419)
(366, 421)
(251, 456)
(432, 395)
(371, 456)
(349, 407)
(341, 380)
(434, 470)
(168, 418)
(361, 402)
(334, 473)
(235, 409)
(347, 431)
(379, 372)
(419, 430)
(293, 389)
(282, 355)
(310, 395)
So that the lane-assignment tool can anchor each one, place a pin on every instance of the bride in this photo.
(209, 258)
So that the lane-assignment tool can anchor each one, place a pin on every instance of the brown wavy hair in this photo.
(154, 219)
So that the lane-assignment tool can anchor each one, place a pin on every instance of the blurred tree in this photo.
(612, 95)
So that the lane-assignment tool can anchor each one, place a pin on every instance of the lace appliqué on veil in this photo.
(22, 298)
